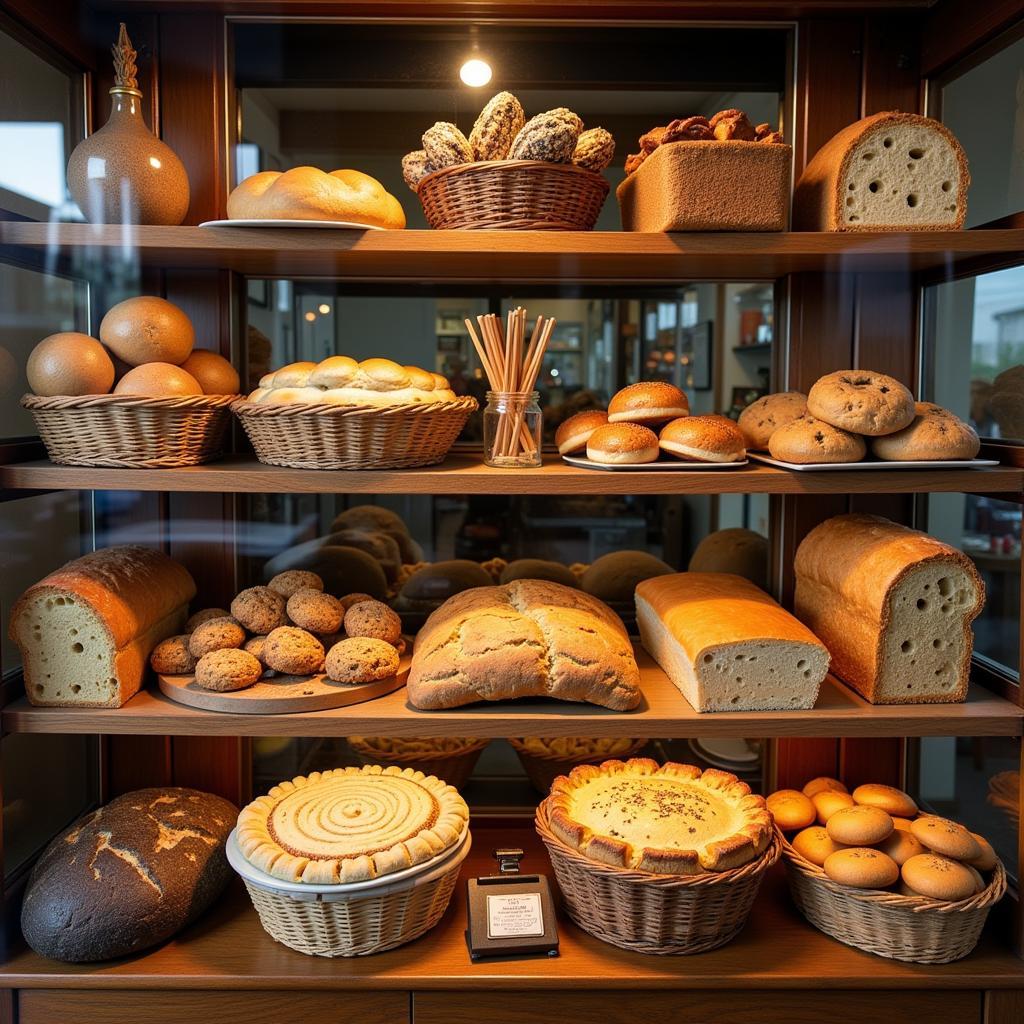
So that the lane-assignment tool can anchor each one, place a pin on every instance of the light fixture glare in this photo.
(475, 72)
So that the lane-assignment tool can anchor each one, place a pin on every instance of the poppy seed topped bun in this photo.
(573, 434)
(648, 402)
(762, 418)
(703, 439)
(933, 433)
(862, 402)
(620, 443)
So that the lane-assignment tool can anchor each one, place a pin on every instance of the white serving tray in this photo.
(256, 223)
(877, 464)
(584, 463)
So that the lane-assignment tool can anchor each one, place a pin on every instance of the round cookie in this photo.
(861, 402)
(373, 619)
(198, 618)
(254, 645)
(351, 599)
(316, 611)
(227, 670)
(259, 609)
(171, 657)
(938, 877)
(828, 801)
(893, 801)
(809, 440)
(901, 846)
(361, 659)
(815, 844)
(218, 634)
(987, 860)
(946, 837)
(292, 580)
(293, 651)
(791, 809)
(859, 826)
(861, 868)
(822, 783)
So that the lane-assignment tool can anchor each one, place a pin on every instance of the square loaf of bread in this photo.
(894, 607)
(85, 632)
(727, 645)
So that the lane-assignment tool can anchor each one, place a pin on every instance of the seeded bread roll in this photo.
(862, 402)
(861, 867)
(821, 784)
(807, 440)
(572, 435)
(938, 877)
(901, 846)
(830, 801)
(815, 844)
(791, 809)
(763, 417)
(703, 439)
(651, 402)
(859, 826)
(622, 444)
(933, 433)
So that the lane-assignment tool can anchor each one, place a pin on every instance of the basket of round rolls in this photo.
(663, 859)
(545, 758)
(140, 396)
(451, 758)
(511, 172)
(872, 870)
(344, 414)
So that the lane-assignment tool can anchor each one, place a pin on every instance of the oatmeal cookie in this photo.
(227, 670)
(293, 651)
(259, 609)
(361, 660)
(315, 611)
(291, 580)
(373, 619)
(171, 657)
(218, 634)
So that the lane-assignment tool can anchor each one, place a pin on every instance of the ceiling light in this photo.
(324, 308)
(475, 72)
(311, 316)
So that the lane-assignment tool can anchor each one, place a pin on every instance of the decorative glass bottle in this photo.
(513, 426)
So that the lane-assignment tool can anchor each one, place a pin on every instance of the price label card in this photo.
(514, 915)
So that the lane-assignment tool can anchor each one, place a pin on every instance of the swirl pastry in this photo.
(351, 824)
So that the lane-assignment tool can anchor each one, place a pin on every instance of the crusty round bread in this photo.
(859, 826)
(307, 193)
(809, 440)
(703, 439)
(815, 844)
(791, 809)
(431, 586)
(938, 877)
(933, 433)
(862, 402)
(821, 784)
(735, 550)
(148, 329)
(828, 801)
(369, 517)
(215, 374)
(764, 416)
(946, 837)
(893, 801)
(158, 380)
(861, 867)
(901, 846)
(69, 363)
(538, 569)
(613, 577)
(573, 434)
(622, 443)
(648, 402)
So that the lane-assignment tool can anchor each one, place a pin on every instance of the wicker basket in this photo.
(305, 436)
(452, 766)
(910, 928)
(664, 914)
(352, 920)
(543, 769)
(129, 431)
(513, 195)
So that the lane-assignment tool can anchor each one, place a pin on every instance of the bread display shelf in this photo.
(512, 257)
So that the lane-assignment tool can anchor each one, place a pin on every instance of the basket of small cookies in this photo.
(451, 758)
(545, 758)
(871, 870)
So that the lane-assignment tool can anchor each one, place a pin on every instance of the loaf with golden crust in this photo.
(528, 638)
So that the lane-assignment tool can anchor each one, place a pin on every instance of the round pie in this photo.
(669, 819)
(351, 824)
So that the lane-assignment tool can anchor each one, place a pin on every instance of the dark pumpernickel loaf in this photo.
(128, 875)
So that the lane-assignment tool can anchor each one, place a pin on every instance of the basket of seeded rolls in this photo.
(873, 871)
(512, 173)
(451, 758)
(545, 758)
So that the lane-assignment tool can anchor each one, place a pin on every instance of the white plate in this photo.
(878, 464)
(729, 754)
(585, 463)
(255, 223)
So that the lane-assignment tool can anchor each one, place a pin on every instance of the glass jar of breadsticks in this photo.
(513, 422)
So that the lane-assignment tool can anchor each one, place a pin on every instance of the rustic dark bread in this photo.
(613, 577)
(429, 587)
(129, 875)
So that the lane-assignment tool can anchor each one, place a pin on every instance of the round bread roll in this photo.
(703, 439)
(259, 609)
(791, 809)
(69, 363)
(342, 569)
(215, 374)
(821, 784)
(573, 434)
(861, 402)
(335, 372)
(158, 380)
(380, 546)
(369, 517)
(538, 569)
(815, 844)
(901, 846)
(933, 433)
(148, 329)
(938, 877)
(859, 826)
(293, 651)
(293, 580)
(228, 670)
(946, 837)
(893, 801)
(613, 577)
(361, 659)
(431, 586)
(808, 440)
(294, 375)
(649, 403)
(622, 444)
(861, 867)
(735, 550)
(828, 802)
(904, 890)
(198, 618)
(986, 861)
(764, 416)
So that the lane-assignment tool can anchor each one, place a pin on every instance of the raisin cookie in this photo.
(373, 619)
(293, 651)
(361, 660)
(227, 670)
(259, 609)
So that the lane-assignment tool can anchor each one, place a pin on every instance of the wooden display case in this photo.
(841, 300)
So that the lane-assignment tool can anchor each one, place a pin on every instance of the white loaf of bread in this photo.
(727, 645)
(86, 631)
(894, 607)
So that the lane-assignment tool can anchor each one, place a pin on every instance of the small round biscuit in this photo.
(893, 801)
(227, 670)
(198, 618)
(313, 610)
(791, 809)
(259, 609)
(815, 844)
(987, 860)
(822, 783)
(293, 651)
(861, 868)
(901, 846)
(374, 619)
(254, 645)
(938, 877)
(828, 801)
(946, 837)
(219, 634)
(361, 659)
(293, 580)
(350, 599)
(859, 826)
(171, 657)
